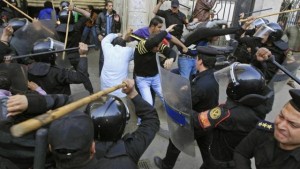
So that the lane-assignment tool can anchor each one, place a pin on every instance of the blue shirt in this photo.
(144, 33)
(108, 23)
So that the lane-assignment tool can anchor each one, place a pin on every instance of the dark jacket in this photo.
(20, 150)
(241, 121)
(205, 91)
(101, 23)
(145, 60)
(253, 43)
(262, 145)
(55, 80)
(126, 152)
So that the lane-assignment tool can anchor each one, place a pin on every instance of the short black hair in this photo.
(48, 4)
(208, 61)
(107, 2)
(155, 21)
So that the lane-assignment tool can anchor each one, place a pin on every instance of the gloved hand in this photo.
(213, 117)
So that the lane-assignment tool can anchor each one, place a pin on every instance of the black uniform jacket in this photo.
(55, 80)
(262, 145)
(20, 150)
(242, 120)
(126, 152)
(205, 91)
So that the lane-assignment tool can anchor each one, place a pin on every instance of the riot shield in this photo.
(61, 59)
(292, 64)
(25, 37)
(223, 78)
(17, 74)
(176, 91)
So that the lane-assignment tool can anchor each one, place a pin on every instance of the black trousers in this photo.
(203, 140)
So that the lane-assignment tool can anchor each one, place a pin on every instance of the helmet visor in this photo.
(258, 22)
(263, 32)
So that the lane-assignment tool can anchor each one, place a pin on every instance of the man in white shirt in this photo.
(116, 61)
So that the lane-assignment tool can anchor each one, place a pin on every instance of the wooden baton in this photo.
(32, 124)
(287, 11)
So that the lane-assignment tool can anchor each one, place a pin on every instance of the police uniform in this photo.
(229, 133)
(55, 80)
(205, 95)
(262, 145)
(126, 152)
(277, 49)
(20, 150)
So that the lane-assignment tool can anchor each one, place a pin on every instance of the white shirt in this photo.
(116, 62)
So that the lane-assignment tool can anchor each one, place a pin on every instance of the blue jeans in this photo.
(186, 66)
(144, 84)
(86, 32)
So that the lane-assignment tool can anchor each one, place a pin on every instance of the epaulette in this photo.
(265, 125)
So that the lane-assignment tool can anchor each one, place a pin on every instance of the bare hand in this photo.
(129, 89)
(248, 22)
(32, 86)
(83, 49)
(117, 18)
(263, 54)
(185, 49)
(7, 32)
(16, 105)
(71, 6)
(168, 63)
(129, 31)
(162, 1)
(170, 28)
(100, 37)
(119, 34)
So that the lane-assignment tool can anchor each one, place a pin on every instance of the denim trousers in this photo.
(86, 32)
(186, 66)
(145, 83)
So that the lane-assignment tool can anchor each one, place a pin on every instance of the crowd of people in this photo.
(228, 135)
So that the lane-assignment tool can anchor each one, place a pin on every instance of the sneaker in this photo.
(291, 83)
(158, 162)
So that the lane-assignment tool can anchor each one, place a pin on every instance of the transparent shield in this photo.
(176, 91)
(25, 37)
(62, 59)
(263, 31)
(223, 78)
(292, 64)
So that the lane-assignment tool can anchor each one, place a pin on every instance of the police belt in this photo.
(187, 56)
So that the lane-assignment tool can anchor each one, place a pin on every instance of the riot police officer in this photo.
(248, 101)
(268, 36)
(54, 79)
(73, 145)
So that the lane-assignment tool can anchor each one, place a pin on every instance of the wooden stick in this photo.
(17, 9)
(67, 32)
(29, 125)
(287, 11)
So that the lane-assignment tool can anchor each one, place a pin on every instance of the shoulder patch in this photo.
(265, 125)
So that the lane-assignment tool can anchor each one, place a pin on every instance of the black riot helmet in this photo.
(109, 118)
(277, 33)
(46, 45)
(271, 30)
(245, 79)
(17, 23)
(64, 4)
(63, 18)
